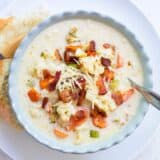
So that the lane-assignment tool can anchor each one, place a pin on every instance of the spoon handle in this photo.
(150, 96)
(154, 99)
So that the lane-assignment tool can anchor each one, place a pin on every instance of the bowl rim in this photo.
(16, 60)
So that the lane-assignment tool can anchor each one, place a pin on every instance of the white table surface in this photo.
(151, 10)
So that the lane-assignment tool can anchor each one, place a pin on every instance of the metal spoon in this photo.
(150, 97)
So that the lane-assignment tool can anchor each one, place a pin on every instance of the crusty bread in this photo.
(12, 31)
(6, 112)
(4, 22)
(9, 48)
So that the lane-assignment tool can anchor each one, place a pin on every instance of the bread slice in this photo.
(6, 112)
(13, 30)
(4, 22)
(9, 48)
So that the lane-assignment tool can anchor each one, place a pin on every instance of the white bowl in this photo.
(14, 94)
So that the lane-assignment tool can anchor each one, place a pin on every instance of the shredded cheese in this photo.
(68, 78)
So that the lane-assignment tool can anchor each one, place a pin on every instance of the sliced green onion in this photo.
(73, 65)
(94, 134)
(52, 118)
(44, 55)
(114, 85)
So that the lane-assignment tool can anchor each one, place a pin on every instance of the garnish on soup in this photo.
(79, 87)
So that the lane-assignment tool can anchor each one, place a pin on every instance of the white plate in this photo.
(20, 146)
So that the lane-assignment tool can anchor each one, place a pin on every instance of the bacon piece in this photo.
(46, 74)
(82, 82)
(49, 82)
(120, 97)
(74, 60)
(44, 102)
(44, 83)
(81, 97)
(65, 95)
(91, 49)
(101, 86)
(75, 95)
(53, 84)
(47, 79)
(99, 121)
(127, 94)
(108, 75)
(34, 95)
(73, 48)
(105, 62)
(78, 119)
(117, 97)
(67, 56)
(98, 117)
(92, 46)
(96, 111)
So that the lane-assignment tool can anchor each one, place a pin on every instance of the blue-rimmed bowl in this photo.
(14, 94)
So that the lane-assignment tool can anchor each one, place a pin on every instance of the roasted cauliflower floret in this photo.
(65, 110)
(91, 65)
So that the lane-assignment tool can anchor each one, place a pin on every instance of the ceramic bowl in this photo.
(16, 103)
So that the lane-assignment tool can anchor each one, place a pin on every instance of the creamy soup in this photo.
(74, 81)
